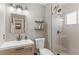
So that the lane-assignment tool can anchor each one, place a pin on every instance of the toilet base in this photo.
(45, 51)
(35, 53)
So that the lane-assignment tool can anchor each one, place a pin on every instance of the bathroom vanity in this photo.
(23, 47)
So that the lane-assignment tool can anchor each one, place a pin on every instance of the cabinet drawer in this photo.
(18, 51)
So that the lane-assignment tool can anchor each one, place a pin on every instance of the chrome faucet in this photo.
(19, 37)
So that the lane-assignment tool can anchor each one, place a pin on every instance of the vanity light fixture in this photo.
(18, 7)
(26, 9)
(11, 7)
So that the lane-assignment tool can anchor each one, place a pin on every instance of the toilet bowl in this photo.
(40, 45)
(45, 51)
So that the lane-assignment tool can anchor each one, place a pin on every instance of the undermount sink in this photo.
(15, 44)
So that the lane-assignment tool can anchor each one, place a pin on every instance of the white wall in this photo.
(71, 32)
(35, 12)
(2, 22)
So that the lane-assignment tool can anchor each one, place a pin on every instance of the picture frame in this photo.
(18, 22)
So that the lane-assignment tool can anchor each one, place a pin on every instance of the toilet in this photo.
(40, 46)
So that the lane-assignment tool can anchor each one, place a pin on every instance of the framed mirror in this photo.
(17, 23)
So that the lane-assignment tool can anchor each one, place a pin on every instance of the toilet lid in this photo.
(45, 52)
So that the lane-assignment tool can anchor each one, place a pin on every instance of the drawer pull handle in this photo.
(20, 48)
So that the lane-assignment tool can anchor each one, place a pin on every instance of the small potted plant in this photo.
(25, 37)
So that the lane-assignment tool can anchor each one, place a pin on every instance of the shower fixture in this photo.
(57, 10)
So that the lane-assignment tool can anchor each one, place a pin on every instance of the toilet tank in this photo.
(40, 43)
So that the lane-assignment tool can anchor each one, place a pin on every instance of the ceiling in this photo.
(62, 4)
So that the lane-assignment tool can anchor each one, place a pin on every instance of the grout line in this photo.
(51, 26)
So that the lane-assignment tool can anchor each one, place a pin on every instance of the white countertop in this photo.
(15, 44)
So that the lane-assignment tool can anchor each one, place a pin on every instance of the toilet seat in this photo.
(45, 51)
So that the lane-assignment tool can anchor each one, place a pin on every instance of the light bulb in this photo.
(25, 11)
(11, 8)
(19, 9)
